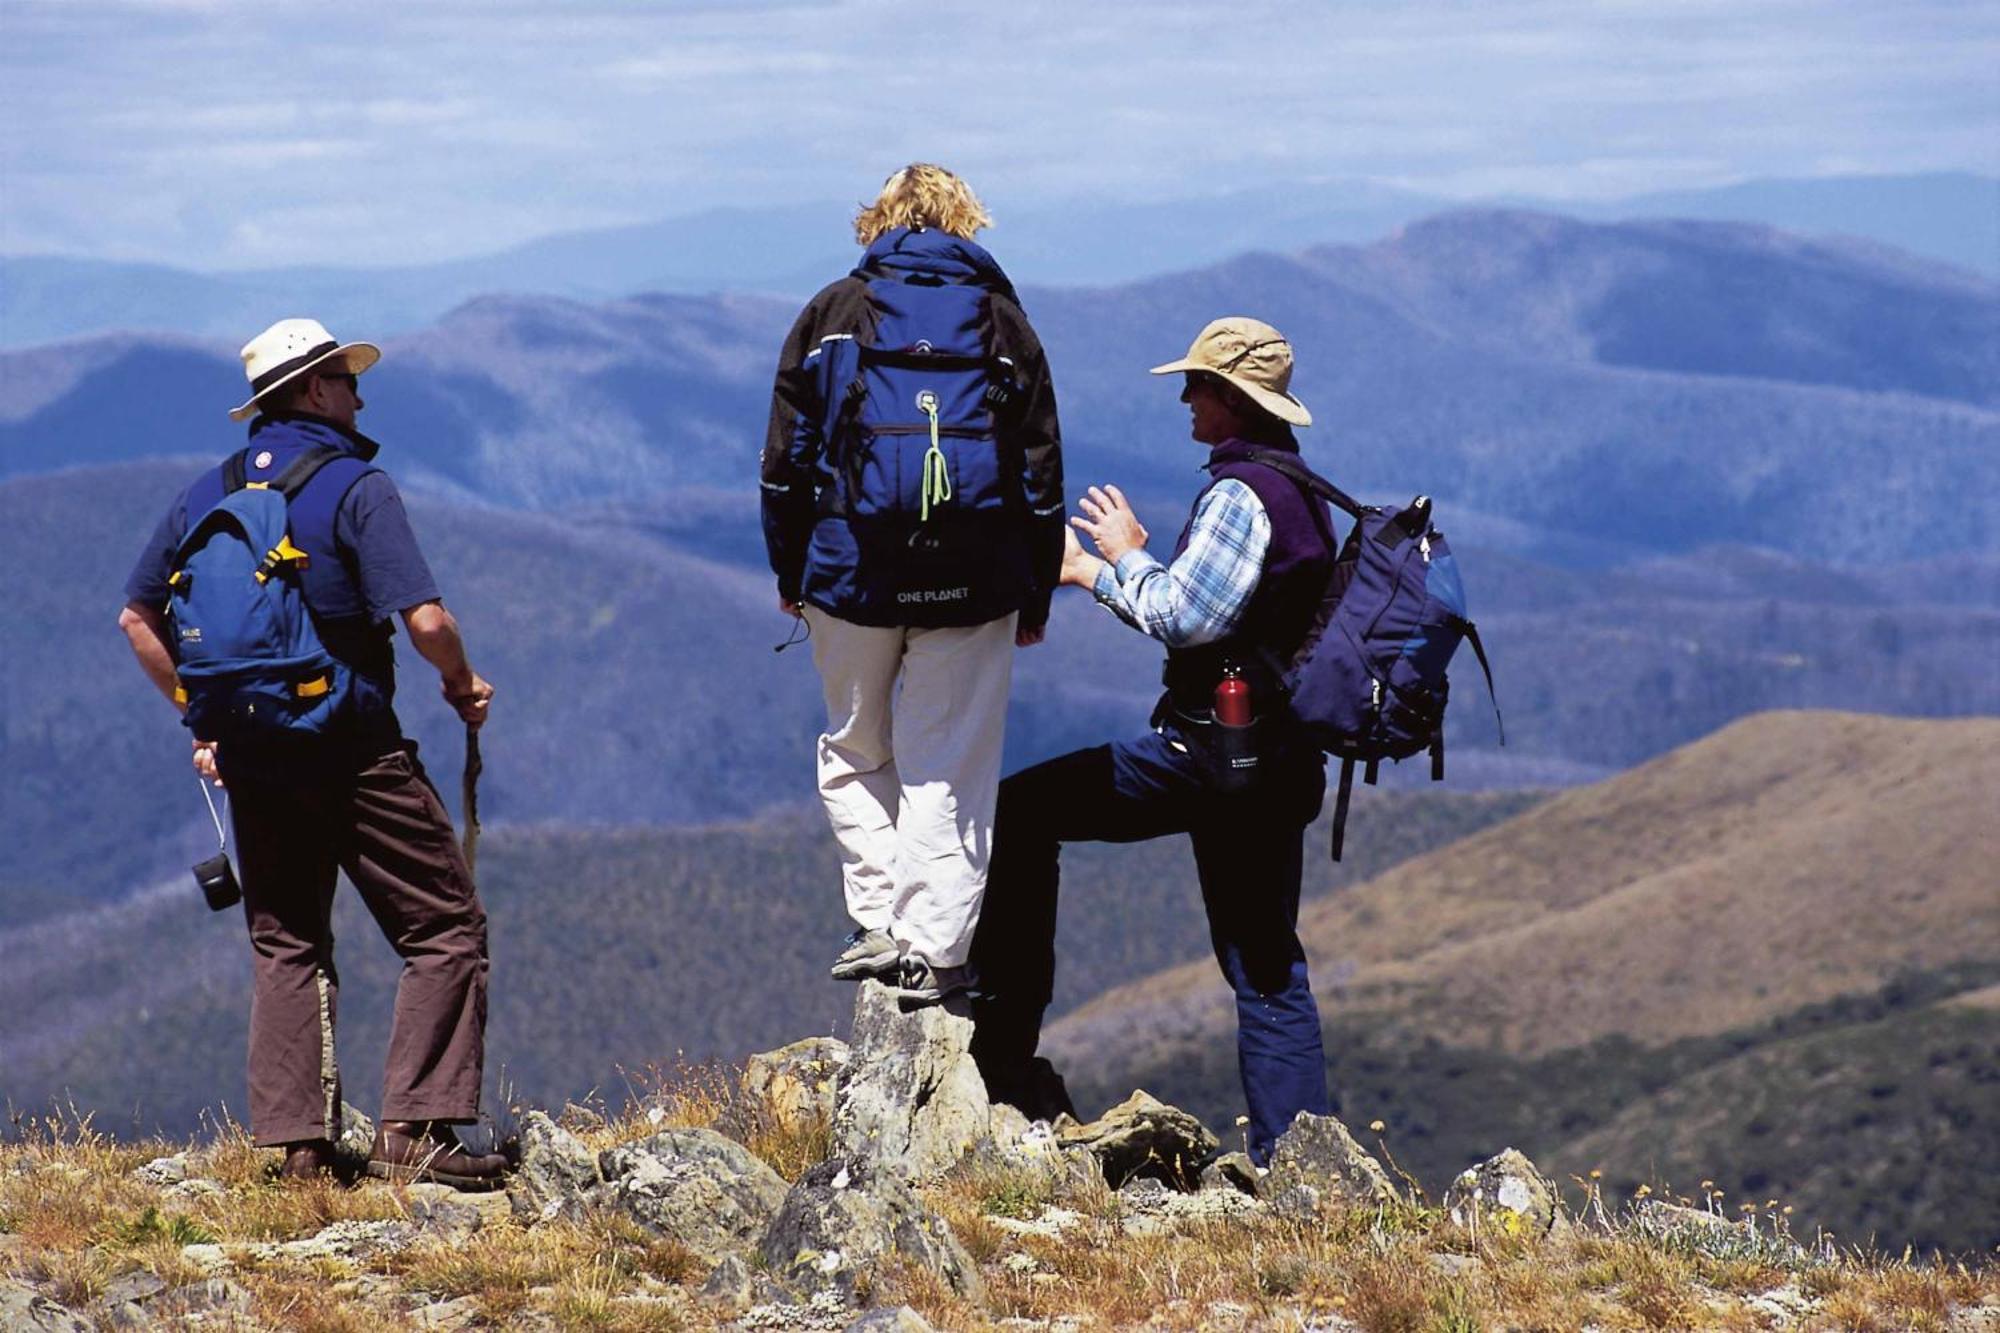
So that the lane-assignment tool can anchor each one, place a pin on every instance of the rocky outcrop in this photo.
(1316, 1163)
(1505, 1191)
(356, 1142)
(1233, 1171)
(557, 1176)
(844, 1216)
(909, 1098)
(795, 1084)
(734, 1286)
(695, 1186)
(22, 1307)
(1142, 1136)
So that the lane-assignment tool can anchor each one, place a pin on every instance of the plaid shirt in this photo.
(1204, 593)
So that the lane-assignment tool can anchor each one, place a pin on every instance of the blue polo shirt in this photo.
(381, 569)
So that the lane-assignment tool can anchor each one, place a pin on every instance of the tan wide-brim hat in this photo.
(289, 349)
(1251, 355)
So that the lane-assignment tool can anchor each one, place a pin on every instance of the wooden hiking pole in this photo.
(469, 794)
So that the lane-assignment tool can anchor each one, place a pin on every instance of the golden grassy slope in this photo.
(1789, 859)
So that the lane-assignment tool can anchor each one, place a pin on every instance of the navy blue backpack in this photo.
(1368, 681)
(248, 656)
(914, 456)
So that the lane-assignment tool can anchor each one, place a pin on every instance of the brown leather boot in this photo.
(309, 1159)
(410, 1151)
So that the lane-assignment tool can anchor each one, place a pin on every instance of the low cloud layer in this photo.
(217, 133)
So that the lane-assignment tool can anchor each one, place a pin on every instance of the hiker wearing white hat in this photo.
(1220, 763)
(286, 354)
(263, 608)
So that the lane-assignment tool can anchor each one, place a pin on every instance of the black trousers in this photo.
(1248, 853)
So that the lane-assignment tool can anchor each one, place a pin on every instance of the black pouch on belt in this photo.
(1232, 755)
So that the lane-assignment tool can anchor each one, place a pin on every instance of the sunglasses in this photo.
(352, 383)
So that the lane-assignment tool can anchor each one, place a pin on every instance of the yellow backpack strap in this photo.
(284, 553)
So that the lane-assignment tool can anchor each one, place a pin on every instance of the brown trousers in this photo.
(382, 823)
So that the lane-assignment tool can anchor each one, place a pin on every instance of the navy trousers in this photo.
(1248, 850)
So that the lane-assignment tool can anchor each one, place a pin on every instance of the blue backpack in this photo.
(914, 459)
(1368, 681)
(248, 656)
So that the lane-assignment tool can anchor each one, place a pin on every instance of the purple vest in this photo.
(1296, 566)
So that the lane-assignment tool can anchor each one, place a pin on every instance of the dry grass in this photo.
(83, 1220)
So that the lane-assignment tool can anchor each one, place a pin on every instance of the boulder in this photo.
(557, 1176)
(1142, 1136)
(909, 1098)
(356, 1142)
(1233, 1171)
(845, 1215)
(796, 1082)
(163, 1171)
(1317, 1162)
(1505, 1191)
(695, 1186)
(733, 1285)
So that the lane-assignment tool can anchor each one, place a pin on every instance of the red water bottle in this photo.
(1232, 698)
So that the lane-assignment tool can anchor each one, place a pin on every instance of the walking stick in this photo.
(469, 793)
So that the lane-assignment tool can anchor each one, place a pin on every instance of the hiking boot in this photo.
(407, 1152)
(308, 1159)
(869, 953)
(917, 980)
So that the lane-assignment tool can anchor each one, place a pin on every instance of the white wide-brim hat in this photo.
(1251, 355)
(290, 348)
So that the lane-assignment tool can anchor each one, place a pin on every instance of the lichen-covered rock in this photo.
(163, 1170)
(734, 1285)
(1317, 1162)
(22, 1307)
(796, 1082)
(693, 1185)
(1233, 1171)
(1142, 1136)
(356, 1142)
(909, 1098)
(1506, 1191)
(344, 1240)
(557, 1176)
(845, 1215)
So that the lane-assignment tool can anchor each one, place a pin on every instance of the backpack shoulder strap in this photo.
(1471, 633)
(1278, 460)
(234, 471)
(301, 470)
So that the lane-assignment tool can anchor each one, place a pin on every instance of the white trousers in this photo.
(909, 771)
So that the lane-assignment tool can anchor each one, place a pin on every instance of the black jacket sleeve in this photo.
(1039, 435)
(792, 445)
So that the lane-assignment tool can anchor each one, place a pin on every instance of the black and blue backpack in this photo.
(246, 650)
(916, 461)
(1368, 681)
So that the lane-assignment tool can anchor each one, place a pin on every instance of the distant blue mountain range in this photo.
(1574, 392)
(1696, 469)
(1945, 217)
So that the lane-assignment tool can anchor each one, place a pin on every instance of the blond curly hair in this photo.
(922, 195)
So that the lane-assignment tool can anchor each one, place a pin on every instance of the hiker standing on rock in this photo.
(292, 714)
(1236, 601)
(913, 513)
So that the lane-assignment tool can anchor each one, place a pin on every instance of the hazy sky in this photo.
(224, 133)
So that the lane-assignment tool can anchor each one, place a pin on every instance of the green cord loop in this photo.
(937, 480)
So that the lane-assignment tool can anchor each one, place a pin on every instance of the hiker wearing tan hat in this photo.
(1220, 764)
(262, 608)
